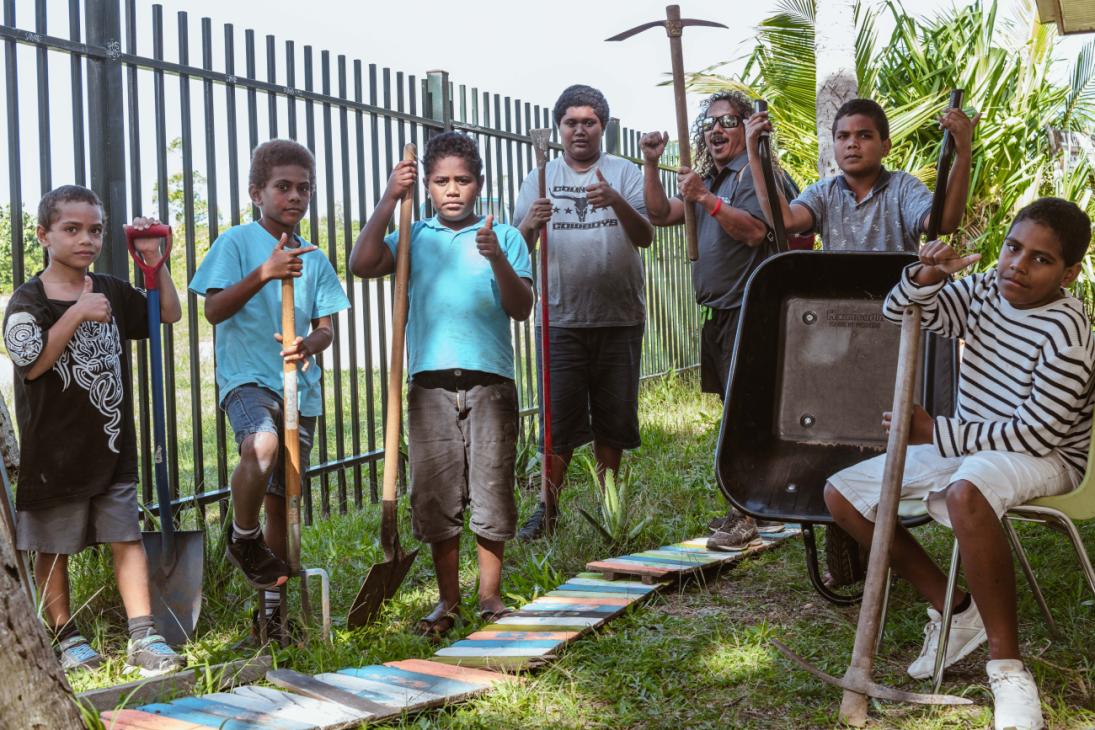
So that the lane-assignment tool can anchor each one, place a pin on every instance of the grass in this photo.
(691, 658)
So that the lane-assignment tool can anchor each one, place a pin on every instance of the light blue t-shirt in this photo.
(246, 349)
(455, 317)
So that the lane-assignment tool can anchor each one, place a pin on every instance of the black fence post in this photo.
(439, 107)
(106, 126)
(612, 136)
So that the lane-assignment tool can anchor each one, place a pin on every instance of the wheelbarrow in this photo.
(813, 371)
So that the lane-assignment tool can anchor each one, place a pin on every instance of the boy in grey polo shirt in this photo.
(867, 207)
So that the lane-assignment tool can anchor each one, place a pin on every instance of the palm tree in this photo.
(835, 77)
(1004, 66)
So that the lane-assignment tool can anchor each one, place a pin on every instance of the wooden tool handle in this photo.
(673, 13)
(291, 428)
(399, 333)
(853, 707)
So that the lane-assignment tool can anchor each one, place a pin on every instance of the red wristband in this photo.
(714, 211)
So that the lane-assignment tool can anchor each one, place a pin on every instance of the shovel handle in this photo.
(545, 332)
(291, 428)
(159, 432)
(151, 273)
(399, 331)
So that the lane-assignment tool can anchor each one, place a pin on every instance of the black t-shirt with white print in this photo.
(75, 420)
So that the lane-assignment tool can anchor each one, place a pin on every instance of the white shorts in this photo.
(1005, 478)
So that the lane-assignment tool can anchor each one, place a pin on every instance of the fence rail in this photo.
(134, 116)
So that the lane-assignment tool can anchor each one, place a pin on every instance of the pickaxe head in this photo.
(673, 24)
(541, 138)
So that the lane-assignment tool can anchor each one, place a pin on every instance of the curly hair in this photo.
(581, 95)
(269, 155)
(49, 208)
(702, 162)
(1068, 221)
(453, 144)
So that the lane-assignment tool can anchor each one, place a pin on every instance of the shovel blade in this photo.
(381, 583)
(176, 590)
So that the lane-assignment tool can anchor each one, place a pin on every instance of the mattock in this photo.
(856, 682)
(674, 26)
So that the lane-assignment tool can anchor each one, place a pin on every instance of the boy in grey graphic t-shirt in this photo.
(596, 222)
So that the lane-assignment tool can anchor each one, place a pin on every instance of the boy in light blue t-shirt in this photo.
(240, 279)
(469, 278)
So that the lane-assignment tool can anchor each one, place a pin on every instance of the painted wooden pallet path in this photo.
(682, 559)
(520, 641)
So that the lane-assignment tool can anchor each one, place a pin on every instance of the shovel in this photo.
(384, 579)
(175, 557)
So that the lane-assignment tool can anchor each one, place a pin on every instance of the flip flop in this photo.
(489, 617)
(436, 626)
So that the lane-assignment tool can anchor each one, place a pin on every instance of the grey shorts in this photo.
(253, 409)
(594, 386)
(462, 447)
(66, 529)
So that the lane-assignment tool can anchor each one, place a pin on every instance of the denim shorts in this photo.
(462, 447)
(253, 409)
(68, 528)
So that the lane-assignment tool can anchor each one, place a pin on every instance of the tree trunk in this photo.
(33, 692)
(834, 53)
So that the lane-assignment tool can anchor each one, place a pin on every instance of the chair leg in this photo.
(1078, 545)
(1024, 563)
(948, 612)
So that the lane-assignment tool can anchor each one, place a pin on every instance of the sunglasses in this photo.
(726, 121)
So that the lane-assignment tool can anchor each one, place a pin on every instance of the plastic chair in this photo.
(1061, 511)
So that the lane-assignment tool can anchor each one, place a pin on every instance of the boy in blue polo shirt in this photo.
(468, 279)
(240, 279)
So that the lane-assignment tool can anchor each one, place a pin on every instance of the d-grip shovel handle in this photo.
(155, 352)
(151, 273)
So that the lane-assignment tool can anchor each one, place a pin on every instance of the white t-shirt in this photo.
(595, 273)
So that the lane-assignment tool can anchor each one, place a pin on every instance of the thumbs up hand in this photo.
(92, 307)
(487, 242)
(600, 193)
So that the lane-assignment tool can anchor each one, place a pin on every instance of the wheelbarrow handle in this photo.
(151, 272)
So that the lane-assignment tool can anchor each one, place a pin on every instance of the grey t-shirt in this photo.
(595, 273)
(890, 218)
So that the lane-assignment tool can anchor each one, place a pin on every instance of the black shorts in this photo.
(594, 386)
(720, 327)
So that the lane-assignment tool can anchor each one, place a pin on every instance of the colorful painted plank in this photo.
(210, 714)
(435, 669)
(523, 635)
(592, 578)
(389, 694)
(271, 720)
(516, 648)
(557, 593)
(577, 601)
(443, 686)
(499, 663)
(309, 686)
(288, 705)
(137, 720)
(608, 589)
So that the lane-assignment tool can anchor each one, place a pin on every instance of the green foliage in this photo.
(615, 506)
(1003, 65)
(33, 256)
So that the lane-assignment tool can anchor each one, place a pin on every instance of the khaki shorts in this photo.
(1006, 479)
(462, 449)
(66, 529)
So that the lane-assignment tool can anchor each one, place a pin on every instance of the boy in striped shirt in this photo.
(1021, 431)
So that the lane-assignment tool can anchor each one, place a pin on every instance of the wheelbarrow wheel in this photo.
(845, 559)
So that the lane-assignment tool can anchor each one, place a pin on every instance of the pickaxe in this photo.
(541, 139)
(674, 26)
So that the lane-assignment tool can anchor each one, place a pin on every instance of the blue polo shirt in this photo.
(455, 317)
(246, 349)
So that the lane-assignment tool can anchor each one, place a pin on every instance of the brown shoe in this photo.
(736, 533)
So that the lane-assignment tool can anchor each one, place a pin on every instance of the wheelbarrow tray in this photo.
(813, 370)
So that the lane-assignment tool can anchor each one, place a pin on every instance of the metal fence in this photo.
(173, 137)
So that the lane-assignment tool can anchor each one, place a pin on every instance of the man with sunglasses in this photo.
(733, 239)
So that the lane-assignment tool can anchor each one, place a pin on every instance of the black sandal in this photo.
(488, 616)
(438, 622)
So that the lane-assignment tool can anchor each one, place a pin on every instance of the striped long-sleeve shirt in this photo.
(1026, 374)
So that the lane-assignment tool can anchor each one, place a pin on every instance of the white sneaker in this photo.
(1014, 696)
(967, 633)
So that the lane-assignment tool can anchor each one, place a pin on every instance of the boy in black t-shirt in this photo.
(65, 330)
